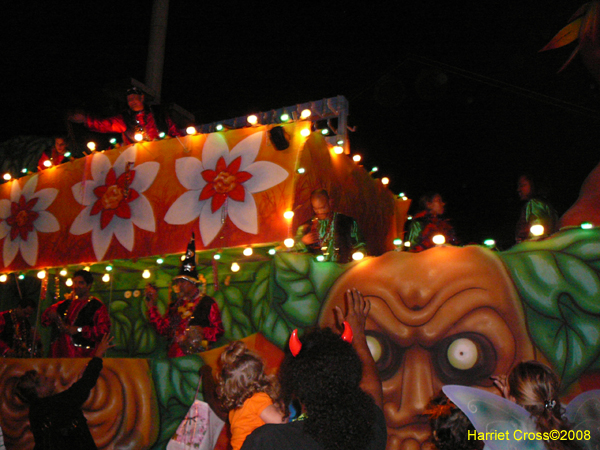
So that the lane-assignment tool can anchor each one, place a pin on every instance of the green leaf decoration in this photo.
(144, 338)
(558, 280)
(176, 381)
(235, 321)
(121, 326)
(118, 306)
(305, 283)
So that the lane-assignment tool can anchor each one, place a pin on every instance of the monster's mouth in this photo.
(415, 436)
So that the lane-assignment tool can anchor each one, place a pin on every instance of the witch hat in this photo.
(188, 266)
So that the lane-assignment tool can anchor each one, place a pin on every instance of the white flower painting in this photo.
(113, 201)
(22, 217)
(222, 184)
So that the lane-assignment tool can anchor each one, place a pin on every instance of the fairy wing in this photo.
(491, 414)
(584, 414)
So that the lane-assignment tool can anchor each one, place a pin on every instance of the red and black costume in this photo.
(198, 311)
(425, 226)
(150, 122)
(90, 315)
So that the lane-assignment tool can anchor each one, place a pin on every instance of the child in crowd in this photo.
(450, 426)
(535, 387)
(251, 397)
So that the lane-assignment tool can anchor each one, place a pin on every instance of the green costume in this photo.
(339, 238)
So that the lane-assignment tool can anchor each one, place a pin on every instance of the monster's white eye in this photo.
(374, 347)
(463, 354)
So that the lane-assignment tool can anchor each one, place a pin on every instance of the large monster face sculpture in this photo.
(444, 316)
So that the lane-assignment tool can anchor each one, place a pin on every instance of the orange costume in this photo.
(246, 419)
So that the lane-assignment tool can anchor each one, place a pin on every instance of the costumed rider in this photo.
(79, 322)
(137, 118)
(58, 154)
(331, 234)
(193, 321)
(17, 338)
(429, 223)
(536, 210)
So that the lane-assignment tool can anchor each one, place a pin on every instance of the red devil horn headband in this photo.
(296, 345)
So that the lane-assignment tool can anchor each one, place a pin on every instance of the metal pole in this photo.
(156, 47)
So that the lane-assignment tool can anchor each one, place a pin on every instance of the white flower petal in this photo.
(10, 250)
(45, 198)
(100, 167)
(84, 191)
(124, 232)
(101, 238)
(46, 223)
(247, 149)
(265, 175)
(84, 223)
(185, 209)
(15, 191)
(29, 248)
(142, 214)
(210, 223)
(29, 187)
(189, 173)
(144, 176)
(243, 214)
(126, 157)
(214, 148)
(5, 208)
(4, 229)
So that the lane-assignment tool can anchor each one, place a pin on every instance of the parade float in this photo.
(448, 315)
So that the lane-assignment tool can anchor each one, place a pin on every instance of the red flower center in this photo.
(224, 182)
(114, 197)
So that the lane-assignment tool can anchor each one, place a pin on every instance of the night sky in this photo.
(446, 96)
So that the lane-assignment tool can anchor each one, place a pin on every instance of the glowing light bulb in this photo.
(284, 117)
(537, 230)
(305, 132)
(47, 163)
(401, 194)
(356, 158)
(409, 218)
(217, 256)
(69, 282)
(86, 268)
(289, 242)
(374, 169)
(338, 150)
(438, 239)
(404, 198)
(272, 251)
(288, 215)
(357, 256)
(63, 273)
(219, 127)
(247, 251)
(397, 241)
(162, 134)
(587, 226)
(320, 258)
(3, 278)
(109, 268)
(407, 244)
(252, 120)
(67, 154)
(305, 114)
(160, 261)
(191, 130)
(112, 141)
(385, 181)
(182, 258)
(301, 170)
(146, 274)
(106, 278)
(7, 176)
(91, 145)
(21, 276)
(340, 142)
(325, 131)
(489, 242)
(235, 267)
(138, 137)
(24, 170)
